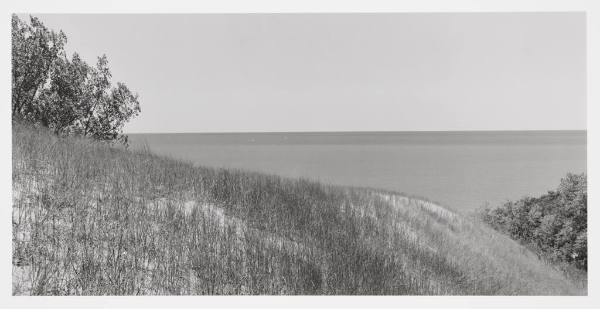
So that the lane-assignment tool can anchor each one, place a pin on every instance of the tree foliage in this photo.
(555, 223)
(66, 95)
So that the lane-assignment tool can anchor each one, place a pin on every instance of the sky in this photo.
(342, 72)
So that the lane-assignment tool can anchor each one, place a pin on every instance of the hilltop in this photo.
(94, 219)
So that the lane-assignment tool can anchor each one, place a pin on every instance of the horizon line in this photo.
(403, 131)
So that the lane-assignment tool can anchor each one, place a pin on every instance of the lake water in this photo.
(462, 170)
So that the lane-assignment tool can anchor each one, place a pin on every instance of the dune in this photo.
(95, 219)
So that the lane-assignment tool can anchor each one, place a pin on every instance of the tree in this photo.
(65, 95)
(60, 104)
(106, 109)
(35, 49)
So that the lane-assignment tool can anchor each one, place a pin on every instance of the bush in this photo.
(65, 95)
(555, 224)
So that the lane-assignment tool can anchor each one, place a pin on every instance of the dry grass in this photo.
(89, 219)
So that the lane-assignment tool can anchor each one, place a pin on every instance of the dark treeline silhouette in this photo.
(555, 224)
(65, 95)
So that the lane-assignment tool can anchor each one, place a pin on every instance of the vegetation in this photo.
(554, 224)
(65, 95)
(95, 219)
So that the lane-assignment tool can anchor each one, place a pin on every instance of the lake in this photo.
(461, 170)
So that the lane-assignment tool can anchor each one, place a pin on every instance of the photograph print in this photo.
(299, 154)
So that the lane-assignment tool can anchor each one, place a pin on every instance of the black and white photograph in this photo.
(298, 153)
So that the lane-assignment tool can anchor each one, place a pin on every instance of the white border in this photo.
(274, 6)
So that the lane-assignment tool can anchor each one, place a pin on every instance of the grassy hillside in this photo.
(94, 220)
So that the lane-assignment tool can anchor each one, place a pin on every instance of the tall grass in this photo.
(90, 219)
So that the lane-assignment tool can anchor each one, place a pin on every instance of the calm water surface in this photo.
(462, 170)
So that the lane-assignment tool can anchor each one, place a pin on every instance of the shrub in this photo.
(555, 224)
